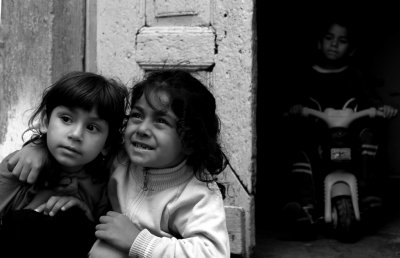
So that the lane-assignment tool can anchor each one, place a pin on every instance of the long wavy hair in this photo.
(198, 125)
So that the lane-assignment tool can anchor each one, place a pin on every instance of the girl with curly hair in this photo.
(163, 187)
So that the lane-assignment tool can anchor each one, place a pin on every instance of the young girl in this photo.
(80, 119)
(163, 190)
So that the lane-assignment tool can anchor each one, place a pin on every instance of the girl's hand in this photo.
(117, 230)
(388, 111)
(295, 110)
(27, 162)
(63, 203)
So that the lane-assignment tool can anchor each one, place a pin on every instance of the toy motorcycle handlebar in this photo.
(341, 117)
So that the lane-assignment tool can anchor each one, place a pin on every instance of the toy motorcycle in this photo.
(341, 204)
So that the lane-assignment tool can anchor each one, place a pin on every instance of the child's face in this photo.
(335, 44)
(75, 137)
(151, 138)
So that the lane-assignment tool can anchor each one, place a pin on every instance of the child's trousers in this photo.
(27, 233)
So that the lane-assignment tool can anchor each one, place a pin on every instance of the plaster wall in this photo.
(133, 37)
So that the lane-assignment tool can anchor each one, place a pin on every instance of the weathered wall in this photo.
(235, 91)
(39, 40)
(210, 36)
(25, 65)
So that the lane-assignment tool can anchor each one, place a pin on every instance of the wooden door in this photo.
(39, 41)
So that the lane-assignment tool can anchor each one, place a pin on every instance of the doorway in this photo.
(284, 47)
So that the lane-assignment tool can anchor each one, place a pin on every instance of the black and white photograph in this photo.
(199, 128)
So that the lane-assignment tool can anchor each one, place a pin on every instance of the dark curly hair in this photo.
(198, 124)
(87, 91)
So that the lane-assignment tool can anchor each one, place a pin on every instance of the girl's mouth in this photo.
(141, 146)
(70, 149)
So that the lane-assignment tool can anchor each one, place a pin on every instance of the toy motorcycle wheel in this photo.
(344, 220)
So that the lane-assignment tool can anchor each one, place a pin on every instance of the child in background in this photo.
(81, 118)
(332, 80)
(163, 190)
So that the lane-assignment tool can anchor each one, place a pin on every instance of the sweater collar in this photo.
(163, 178)
(325, 70)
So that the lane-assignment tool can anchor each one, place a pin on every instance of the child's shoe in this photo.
(300, 221)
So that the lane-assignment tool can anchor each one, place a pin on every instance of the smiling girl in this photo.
(163, 187)
(163, 190)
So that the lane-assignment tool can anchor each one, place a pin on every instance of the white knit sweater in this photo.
(179, 215)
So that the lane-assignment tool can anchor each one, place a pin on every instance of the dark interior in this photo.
(284, 45)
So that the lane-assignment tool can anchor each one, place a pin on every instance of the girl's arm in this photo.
(199, 223)
(10, 187)
(26, 164)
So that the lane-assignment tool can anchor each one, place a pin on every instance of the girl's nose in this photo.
(144, 128)
(76, 132)
(334, 42)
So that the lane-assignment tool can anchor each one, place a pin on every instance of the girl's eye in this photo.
(162, 121)
(93, 128)
(66, 119)
(135, 115)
